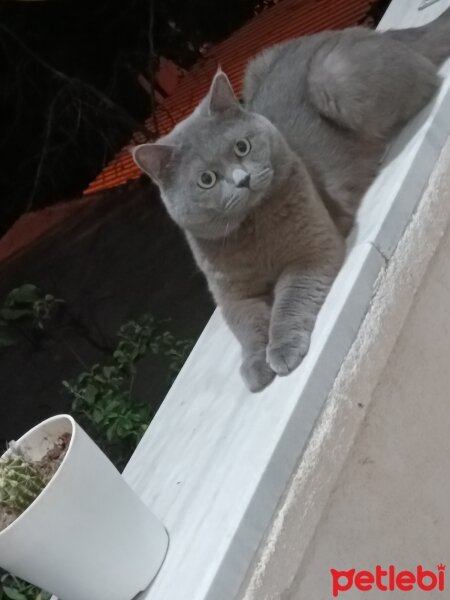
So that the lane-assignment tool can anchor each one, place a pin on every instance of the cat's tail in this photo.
(431, 40)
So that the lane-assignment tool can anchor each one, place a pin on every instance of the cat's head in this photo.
(215, 166)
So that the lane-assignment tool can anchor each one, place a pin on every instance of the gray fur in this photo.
(269, 231)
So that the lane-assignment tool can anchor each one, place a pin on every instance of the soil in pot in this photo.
(22, 480)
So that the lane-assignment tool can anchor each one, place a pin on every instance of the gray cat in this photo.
(266, 192)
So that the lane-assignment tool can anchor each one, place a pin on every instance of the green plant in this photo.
(103, 396)
(138, 338)
(20, 484)
(24, 307)
(13, 588)
(176, 351)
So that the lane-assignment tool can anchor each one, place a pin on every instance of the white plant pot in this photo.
(87, 536)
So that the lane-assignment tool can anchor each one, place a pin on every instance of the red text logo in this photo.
(388, 580)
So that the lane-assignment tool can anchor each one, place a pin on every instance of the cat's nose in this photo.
(241, 178)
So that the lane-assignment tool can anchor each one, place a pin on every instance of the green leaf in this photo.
(14, 314)
(112, 404)
(90, 393)
(108, 372)
(25, 294)
(13, 593)
(97, 416)
(110, 432)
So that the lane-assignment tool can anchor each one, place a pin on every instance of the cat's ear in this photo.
(221, 96)
(153, 159)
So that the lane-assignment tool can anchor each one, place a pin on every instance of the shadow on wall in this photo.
(116, 259)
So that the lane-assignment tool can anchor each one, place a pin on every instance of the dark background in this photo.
(116, 259)
(69, 91)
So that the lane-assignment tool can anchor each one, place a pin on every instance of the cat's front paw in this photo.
(256, 373)
(285, 355)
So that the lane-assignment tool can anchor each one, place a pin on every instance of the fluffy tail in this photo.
(431, 40)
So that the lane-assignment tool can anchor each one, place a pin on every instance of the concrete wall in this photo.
(391, 502)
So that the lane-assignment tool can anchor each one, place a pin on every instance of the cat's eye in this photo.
(242, 147)
(207, 180)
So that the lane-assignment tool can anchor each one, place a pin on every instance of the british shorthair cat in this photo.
(266, 190)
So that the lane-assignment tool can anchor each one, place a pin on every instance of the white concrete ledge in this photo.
(216, 460)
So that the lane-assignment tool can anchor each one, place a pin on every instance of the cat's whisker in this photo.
(227, 228)
(231, 202)
(261, 179)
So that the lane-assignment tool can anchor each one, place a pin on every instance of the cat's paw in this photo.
(256, 373)
(285, 356)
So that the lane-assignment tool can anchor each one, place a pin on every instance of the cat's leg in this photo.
(299, 295)
(249, 320)
(369, 83)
